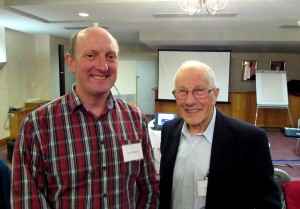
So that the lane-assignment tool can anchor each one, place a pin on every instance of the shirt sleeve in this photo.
(28, 179)
(148, 181)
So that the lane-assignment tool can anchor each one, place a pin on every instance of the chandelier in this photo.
(195, 6)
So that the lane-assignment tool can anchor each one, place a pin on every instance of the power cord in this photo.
(7, 122)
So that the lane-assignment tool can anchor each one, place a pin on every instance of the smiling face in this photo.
(197, 113)
(95, 62)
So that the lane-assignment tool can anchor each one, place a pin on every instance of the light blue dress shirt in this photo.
(192, 165)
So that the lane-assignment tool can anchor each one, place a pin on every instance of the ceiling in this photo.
(244, 25)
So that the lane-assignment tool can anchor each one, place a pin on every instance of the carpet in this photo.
(283, 153)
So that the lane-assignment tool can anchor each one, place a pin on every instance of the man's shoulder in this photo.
(52, 106)
(131, 109)
(231, 120)
(174, 123)
(127, 106)
(234, 124)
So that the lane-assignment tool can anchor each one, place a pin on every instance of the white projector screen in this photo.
(170, 61)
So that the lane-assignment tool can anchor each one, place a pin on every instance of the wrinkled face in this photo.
(95, 62)
(197, 113)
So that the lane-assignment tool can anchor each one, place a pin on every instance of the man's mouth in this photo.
(192, 110)
(99, 77)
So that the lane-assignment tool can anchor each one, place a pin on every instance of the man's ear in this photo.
(70, 62)
(216, 94)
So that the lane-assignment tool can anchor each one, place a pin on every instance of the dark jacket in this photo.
(241, 169)
(4, 185)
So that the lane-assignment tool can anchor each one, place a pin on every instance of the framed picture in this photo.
(248, 70)
(277, 65)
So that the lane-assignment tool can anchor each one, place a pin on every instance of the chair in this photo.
(291, 192)
(281, 177)
(297, 153)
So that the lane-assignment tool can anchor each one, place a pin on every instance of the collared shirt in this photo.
(192, 165)
(66, 157)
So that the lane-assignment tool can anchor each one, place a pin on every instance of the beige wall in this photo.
(32, 69)
(263, 63)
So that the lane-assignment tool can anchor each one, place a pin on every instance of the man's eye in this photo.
(181, 91)
(198, 91)
(90, 56)
(111, 57)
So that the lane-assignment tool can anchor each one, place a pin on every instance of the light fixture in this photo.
(195, 6)
(83, 14)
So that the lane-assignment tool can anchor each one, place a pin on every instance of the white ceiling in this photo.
(245, 25)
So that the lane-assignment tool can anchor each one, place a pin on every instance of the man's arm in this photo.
(148, 181)
(27, 181)
(267, 195)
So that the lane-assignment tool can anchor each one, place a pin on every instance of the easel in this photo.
(271, 91)
(273, 107)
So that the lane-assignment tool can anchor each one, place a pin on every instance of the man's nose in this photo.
(102, 63)
(190, 97)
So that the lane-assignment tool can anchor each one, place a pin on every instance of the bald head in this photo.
(196, 66)
(85, 33)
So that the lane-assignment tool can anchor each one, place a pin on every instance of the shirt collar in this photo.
(75, 102)
(208, 133)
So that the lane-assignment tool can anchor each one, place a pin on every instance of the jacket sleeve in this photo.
(267, 195)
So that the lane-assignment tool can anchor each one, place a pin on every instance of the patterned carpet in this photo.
(283, 153)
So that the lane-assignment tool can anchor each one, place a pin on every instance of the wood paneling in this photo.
(242, 106)
(3, 142)
(17, 117)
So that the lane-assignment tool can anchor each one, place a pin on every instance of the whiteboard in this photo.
(271, 88)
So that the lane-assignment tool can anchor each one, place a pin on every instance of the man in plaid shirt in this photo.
(85, 149)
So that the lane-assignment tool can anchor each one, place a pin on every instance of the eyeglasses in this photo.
(197, 93)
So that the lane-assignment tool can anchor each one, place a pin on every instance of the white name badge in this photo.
(132, 152)
(202, 188)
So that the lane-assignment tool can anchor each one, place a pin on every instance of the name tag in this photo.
(132, 152)
(202, 188)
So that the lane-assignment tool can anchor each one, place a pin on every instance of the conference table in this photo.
(155, 143)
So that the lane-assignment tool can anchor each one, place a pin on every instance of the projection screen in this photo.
(170, 61)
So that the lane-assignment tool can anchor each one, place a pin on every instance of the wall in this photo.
(40, 81)
(146, 73)
(20, 67)
(31, 72)
(14, 75)
(263, 63)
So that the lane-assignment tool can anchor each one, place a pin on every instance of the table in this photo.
(155, 136)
